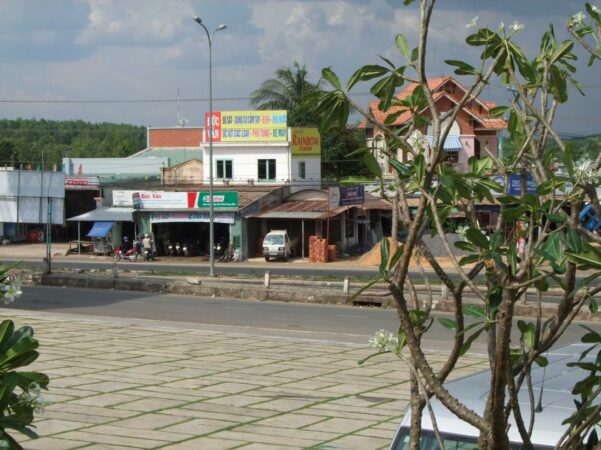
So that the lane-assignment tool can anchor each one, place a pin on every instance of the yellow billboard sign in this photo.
(306, 143)
(248, 126)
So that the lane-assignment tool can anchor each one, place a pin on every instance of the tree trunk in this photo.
(417, 408)
(497, 437)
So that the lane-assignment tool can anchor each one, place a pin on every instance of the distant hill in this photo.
(31, 141)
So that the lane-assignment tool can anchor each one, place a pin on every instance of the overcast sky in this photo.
(141, 51)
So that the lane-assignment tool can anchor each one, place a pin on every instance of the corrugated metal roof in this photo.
(176, 155)
(105, 214)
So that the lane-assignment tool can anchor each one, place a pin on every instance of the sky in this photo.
(126, 60)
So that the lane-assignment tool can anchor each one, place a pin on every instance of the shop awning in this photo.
(452, 143)
(100, 229)
(105, 214)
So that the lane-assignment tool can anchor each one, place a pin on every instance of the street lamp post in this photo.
(211, 211)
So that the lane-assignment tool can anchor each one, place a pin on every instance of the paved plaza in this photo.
(119, 383)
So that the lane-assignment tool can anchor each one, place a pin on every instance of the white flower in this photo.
(516, 26)
(584, 169)
(384, 340)
(462, 230)
(11, 290)
(578, 17)
(34, 398)
(595, 9)
(472, 22)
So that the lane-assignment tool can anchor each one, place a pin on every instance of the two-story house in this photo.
(473, 133)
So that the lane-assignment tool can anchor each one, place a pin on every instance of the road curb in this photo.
(297, 292)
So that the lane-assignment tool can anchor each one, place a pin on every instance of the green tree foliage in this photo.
(547, 245)
(288, 91)
(24, 141)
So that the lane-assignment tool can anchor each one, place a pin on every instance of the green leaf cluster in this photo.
(18, 348)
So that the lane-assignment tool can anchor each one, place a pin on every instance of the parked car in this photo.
(552, 385)
(277, 244)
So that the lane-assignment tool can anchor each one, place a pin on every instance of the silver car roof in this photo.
(557, 399)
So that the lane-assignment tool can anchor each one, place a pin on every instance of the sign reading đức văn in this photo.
(248, 126)
(184, 200)
(305, 143)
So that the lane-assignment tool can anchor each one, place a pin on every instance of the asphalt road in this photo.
(320, 322)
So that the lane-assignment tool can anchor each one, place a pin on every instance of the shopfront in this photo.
(183, 218)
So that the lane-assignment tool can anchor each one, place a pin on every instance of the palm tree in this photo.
(288, 91)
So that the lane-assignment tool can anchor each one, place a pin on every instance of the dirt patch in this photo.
(372, 258)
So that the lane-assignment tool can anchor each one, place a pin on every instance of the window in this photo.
(477, 151)
(266, 169)
(302, 170)
(224, 169)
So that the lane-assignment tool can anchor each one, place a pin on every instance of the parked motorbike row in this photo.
(133, 253)
(183, 248)
(222, 252)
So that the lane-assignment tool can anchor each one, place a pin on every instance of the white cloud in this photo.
(308, 31)
(134, 21)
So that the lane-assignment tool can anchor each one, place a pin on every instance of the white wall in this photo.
(312, 169)
(245, 159)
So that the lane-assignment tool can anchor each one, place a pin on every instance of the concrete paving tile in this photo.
(87, 419)
(185, 414)
(139, 433)
(146, 392)
(340, 425)
(53, 426)
(291, 420)
(205, 443)
(115, 441)
(109, 386)
(354, 442)
(150, 404)
(68, 371)
(266, 439)
(229, 388)
(152, 421)
(296, 433)
(236, 400)
(105, 399)
(377, 433)
(324, 410)
(89, 409)
(199, 426)
(149, 369)
(243, 411)
(264, 447)
(51, 443)
(283, 405)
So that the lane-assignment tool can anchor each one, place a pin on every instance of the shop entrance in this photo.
(194, 235)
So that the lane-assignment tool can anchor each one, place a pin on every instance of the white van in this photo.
(277, 244)
(556, 381)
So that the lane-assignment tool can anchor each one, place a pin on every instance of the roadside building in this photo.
(258, 163)
(30, 201)
(473, 133)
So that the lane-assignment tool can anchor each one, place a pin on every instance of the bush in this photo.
(20, 391)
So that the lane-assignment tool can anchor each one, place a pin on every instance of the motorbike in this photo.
(218, 250)
(178, 250)
(170, 249)
(228, 254)
(129, 255)
(147, 255)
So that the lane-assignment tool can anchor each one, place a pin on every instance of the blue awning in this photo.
(451, 144)
(100, 229)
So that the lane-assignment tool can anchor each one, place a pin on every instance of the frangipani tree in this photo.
(551, 247)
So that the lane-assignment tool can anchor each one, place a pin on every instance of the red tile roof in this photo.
(433, 84)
